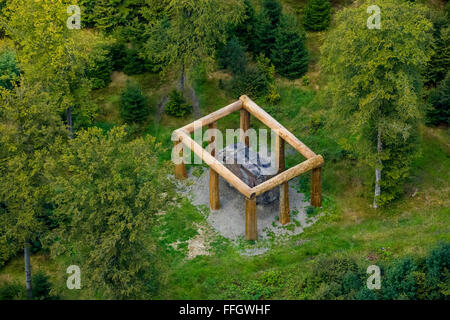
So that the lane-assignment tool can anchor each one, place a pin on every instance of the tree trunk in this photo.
(378, 171)
(28, 270)
(70, 121)
(182, 79)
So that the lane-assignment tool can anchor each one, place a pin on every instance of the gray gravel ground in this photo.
(229, 220)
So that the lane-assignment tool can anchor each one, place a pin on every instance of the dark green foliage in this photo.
(177, 105)
(317, 15)
(133, 104)
(108, 15)
(253, 82)
(439, 100)
(11, 291)
(100, 73)
(9, 69)
(399, 281)
(118, 53)
(399, 153)
(351, 282)
(232, 56)
(334, 269)
(439, 63)
(272, 10)
(438, 267)
(289, 55)
(134, 63)
(365, 294)
(268, 22)
(41, 286)
(246, 30)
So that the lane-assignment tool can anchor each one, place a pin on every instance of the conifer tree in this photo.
(133, 104)
(289, 54)
(317, 15)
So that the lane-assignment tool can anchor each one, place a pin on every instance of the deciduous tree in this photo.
(376, 87)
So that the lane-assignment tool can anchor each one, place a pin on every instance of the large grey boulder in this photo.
(251, 168)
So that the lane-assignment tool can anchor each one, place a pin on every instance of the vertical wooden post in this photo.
(284, 188)
(245, 125)
(251, 224)
(214, 198)
(316, 187)
(180, 169)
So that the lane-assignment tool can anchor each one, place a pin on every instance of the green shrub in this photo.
(366, 294)
(9, 70)
(333, 269)
(438, 266)
(133, 104)
(305, 80)
(399, 281)
(177, 105)
(317, 15)
(11, 291)
(41, 286)
(253, 82)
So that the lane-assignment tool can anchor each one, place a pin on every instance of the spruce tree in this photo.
(232, 56)
(317, 15)
(268, 22)
(289, 54)
(133, 104)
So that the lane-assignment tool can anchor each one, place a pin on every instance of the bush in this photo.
(253, 82)
(11, 291)
(177, 105)
(9, 69)
(399, 281)
(41, 286)
(334, 269)
(133, 104)
(289, 54)
(439, 100)
(317, 15)
(438, 267)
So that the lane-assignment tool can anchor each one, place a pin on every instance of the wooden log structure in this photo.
(214, 198)
(245, 125)
(288, 175)
(284, 188)
(180, 169)
(213, 117)
(247, 107)
(273, 124)
(251, 224)
(316, 187)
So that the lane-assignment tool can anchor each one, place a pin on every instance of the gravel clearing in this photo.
(229, 220)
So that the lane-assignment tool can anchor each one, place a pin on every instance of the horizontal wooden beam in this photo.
(214, 164)
(287, 175)
(213, 117)
(273, 124)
